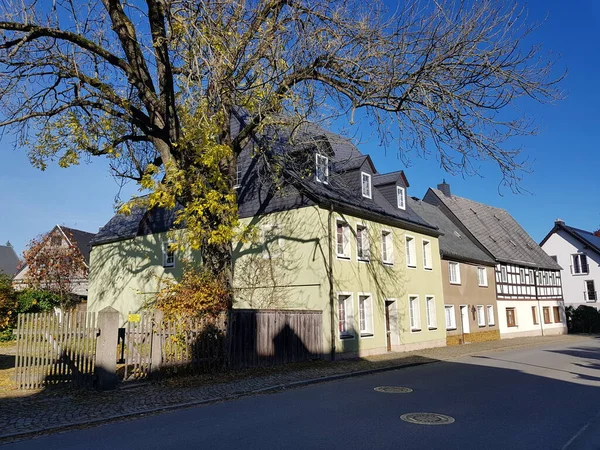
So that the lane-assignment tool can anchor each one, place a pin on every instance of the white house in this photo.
(578, 253)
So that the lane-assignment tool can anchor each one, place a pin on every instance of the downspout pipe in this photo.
(330, 279)
(540, 312)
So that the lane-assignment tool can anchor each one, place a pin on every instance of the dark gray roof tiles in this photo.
(454, 244)
(82, 240)
(9, 261)
(498, 232)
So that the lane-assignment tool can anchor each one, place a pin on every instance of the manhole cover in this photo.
(393, 389)
(427, 418)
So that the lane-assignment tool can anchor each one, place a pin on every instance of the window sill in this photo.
(411, 267)
(346, 257)
(346, 336)
(484, 285)
(455, 283)
(432, 328)
(415, 330)
(388, 263)
(365, 260)
(427, 268)
(451, 329)
(366, 335)
(168, 267)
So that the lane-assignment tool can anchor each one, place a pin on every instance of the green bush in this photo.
(37, 301)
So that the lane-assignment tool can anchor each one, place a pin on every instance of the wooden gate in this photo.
(55, 349)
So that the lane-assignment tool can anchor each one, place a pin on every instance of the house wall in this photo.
(562, 245)
(126, 274)
(524, 318)
(298, 279)
(469, 293)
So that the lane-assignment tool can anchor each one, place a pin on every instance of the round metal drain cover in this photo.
(427, 418)
(393, 389)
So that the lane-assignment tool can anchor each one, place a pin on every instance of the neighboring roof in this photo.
(587, 238)
(497, 231)
(454, 244)
(82, 240)
(9, 261)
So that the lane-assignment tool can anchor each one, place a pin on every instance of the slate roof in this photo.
(9, 261)
(587, 238)
(497, 231)
(256, 197)
(82, 240)
(454, 244)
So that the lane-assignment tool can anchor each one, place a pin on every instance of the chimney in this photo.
(559, 222)
(597, 233)
(8, 244)
(445, 188)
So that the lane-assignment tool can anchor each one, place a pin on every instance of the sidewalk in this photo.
(51, 409)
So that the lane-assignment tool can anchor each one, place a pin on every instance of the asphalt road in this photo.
(537, 398)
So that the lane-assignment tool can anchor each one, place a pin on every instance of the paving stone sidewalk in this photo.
(50, 409)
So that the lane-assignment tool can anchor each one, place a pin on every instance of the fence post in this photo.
(156, 352)
(106, 348)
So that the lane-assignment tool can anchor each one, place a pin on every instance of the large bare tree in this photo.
(153, 85)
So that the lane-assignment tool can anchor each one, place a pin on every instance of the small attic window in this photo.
(401, 194)
(457, 234)
(366, 184)
(322, 169)
(513, 244)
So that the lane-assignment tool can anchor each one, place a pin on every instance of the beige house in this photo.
(470, 306)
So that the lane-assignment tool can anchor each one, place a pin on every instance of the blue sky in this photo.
(565, 155)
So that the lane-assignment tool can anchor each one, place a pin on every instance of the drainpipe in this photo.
(540, 312)
(330, 277)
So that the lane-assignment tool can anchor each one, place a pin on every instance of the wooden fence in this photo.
(55, 349)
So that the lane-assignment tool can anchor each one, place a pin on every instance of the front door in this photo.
(388, 328)
(464, 319)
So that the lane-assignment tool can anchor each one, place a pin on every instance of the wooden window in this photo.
(322, 169)
(556, 312)
(534, 314)
(365, 309)
(427, 254)
(411, 257)
(454, 272)
(431, 315)
(345, 327)
(579, 264)
(450, 317)
(365, 179)
(362, 243)
(401, 197)
(168, 254)
(480, 316)
(387, 247)
(490, 315)
(342, 239)
(482, 276)
(590, 291)
(511, 320)
(414, 313)
(547, 314)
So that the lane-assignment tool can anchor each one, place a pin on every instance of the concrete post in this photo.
(106, 349)
(156, 354)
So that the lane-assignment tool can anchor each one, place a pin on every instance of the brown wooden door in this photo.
(388, 329)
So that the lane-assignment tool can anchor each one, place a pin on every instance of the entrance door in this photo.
(388, 328)
(464, 318)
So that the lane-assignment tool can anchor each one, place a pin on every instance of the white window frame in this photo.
(387, 247)
(349, 333)
(362, 245)
(365, 326)
(586, 292)
(168, 254)
(503, 274)
(484, 282)
(452, 317)
(427, 258)
(431, 312)
(365, 176)
(411, 251)
(238, 176)
(490, 315)
(457, 265)
(346, 254)
(321, 159)
(272, 252)
(480, 316)
(401, 197)
(578, 257)
(414, 313)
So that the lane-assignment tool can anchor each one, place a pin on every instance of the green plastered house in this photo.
(337, 236)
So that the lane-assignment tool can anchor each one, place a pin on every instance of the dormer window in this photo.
(366, 184)
(401, 194)
(322, 169)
